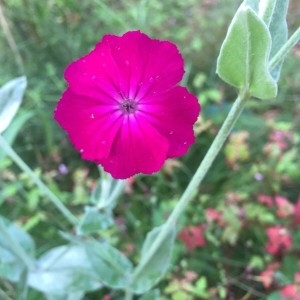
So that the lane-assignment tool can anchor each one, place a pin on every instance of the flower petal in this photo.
(136, 149)
(129, 66)
(91, 125)
(150, 65)
(173, 114)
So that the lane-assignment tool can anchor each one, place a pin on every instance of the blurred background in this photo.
(222, 250)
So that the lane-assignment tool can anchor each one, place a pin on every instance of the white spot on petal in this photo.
(171, 132)
(81, 150)
(92, 116)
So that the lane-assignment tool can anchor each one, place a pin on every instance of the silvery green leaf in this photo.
(276, 22)
(64, 270)
(11, 95)
(112, 267)
(279, 32)
(244, 55)
(12, 131)
(158, 265)
(11, 267)
(69, 296)
(151, 295)
(94, 220)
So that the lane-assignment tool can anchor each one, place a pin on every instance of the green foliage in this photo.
(12, 266)
(50, 34)
(156, 266)
(111, 266)
(246, 67)
(94, 220)
(11, 96)
(64, 271)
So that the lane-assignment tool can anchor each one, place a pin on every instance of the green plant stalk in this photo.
(117, 191)
(15, 247)
(42, 187)
(280, 55)
(192, 188)
(110, 190)
(128, 295)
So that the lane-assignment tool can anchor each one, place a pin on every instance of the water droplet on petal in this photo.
(104, 142)
(151, 78)
(157, 77)
(81, 150)
(184, 143)
(171, 132)
(93, 77)
(92, 116)
(127, 62)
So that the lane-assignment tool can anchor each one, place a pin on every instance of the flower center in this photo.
(128, 106)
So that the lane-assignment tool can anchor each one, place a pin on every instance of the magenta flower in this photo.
(123, 108)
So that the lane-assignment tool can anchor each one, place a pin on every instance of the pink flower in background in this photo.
(265, 199)
(297, 212)
(214, 215)
(292, 291)
(284, 207)
(279, 240)
(281, 138)
(192, 237)
(123, 108)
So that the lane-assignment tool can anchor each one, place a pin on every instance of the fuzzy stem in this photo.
(192, 188)
(280, 55)
(42, 187)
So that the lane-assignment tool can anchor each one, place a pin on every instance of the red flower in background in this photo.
(123, 108)
(292, 291)
(279, 240)
(214, 215)
(192, 237)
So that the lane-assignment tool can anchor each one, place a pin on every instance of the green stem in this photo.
(43, 188)
(110, 190)
(15, 246)
(116, 191)
(192, 188)
(279, 56)
(128, 295)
